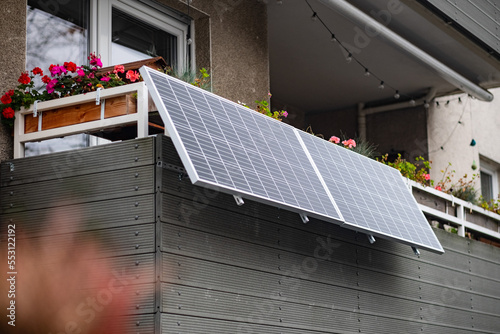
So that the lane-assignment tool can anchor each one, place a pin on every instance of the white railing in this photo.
(462, 210)
(140, 117)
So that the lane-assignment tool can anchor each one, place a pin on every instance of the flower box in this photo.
(82, 113)
(118, 107)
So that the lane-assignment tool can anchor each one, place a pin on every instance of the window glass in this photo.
(57, 31)
(486, 186)
(133, 39)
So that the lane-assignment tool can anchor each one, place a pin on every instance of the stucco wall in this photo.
(12, 58)
(453, 127)
(237, 52)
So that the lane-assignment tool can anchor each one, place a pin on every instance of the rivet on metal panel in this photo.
(179, 307)
(136, 217)
(137, 263)
(178, 234)
(421, 309)
(11, 220)
(136, 233)
(279, 308)
(11, 193)
(279, 267)
(136, 146)
(136, 175)
(136, 159)
(137, 306)
(179, 293)
(137, 293)
(137, 246)
(279, 282)
(137, 276)
(281, 320)
(178, 323)
(136, 188)
(178, 247)
(178, 277)
(138, 323)
(11, 205)
(11, 167)
(12, 178)
(136, 204)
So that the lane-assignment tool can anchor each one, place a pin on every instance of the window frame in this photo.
(489, 169)
(146, 10)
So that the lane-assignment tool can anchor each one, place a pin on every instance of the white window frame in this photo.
(489, 169)
(100, 27)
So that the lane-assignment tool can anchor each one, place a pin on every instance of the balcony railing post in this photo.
(461, 217)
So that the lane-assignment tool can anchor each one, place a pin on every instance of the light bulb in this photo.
(381, 86)
(279, 2)
(396, 95)
(367, 73)
(412, 102)
(314, 17)
(426, 105)
(349, 58)
(333, 39)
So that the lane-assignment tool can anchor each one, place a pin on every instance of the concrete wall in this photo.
(452, 126)
(12, 58)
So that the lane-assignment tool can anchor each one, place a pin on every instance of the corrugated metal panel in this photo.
(83, 216)
(480, 18)
(126, 154)
(135, 324)
(109, 242)
(138, 298)
(84, 188)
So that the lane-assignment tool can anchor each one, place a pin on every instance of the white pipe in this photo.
(362, 19)
(362, 112)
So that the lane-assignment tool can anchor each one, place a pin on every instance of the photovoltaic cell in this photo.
(371, 196)
(236, 149)
(245, 153)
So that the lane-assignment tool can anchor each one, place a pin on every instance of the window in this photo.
(120, 31)
(489, 179)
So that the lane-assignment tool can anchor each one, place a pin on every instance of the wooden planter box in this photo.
(81, 113)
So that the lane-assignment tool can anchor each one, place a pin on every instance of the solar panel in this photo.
(238, 150)
(371, 196)
(244, 153)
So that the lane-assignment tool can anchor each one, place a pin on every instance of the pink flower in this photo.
(119, 69)
(132, 75)
(334, 140)
(105, 79)
(438, 188)
(427, 177)
(285, 114)
(349, 143)
(51, 85)
(95, 60)
(57, 70)
(80, 72)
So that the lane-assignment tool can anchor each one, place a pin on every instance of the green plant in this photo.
(492, 205)
(64, 80)
(412, 171)
(463, 188)
(264, 107)
(199, 79)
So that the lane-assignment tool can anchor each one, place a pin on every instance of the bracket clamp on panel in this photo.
(239, 200)
(304, 218)
(415, 250)
(371, 238)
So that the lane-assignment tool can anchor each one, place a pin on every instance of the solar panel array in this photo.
(242, 152)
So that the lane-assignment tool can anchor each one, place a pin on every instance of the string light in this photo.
(279, 2)
(350, 57)
(426, 105)
(412, 102)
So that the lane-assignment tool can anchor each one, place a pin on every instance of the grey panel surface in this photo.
(480, 18)
(83, 216)
(237, 150)
(371, 196)
(83, 188)
(126, 154)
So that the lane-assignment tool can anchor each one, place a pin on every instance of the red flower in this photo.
(6, 99)
(70, 66)
(438, 188)
(132, 75)
(119, 69)
(24, 78)
(46, 79)
(10, 93)
(37, 70)
(8, 112)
